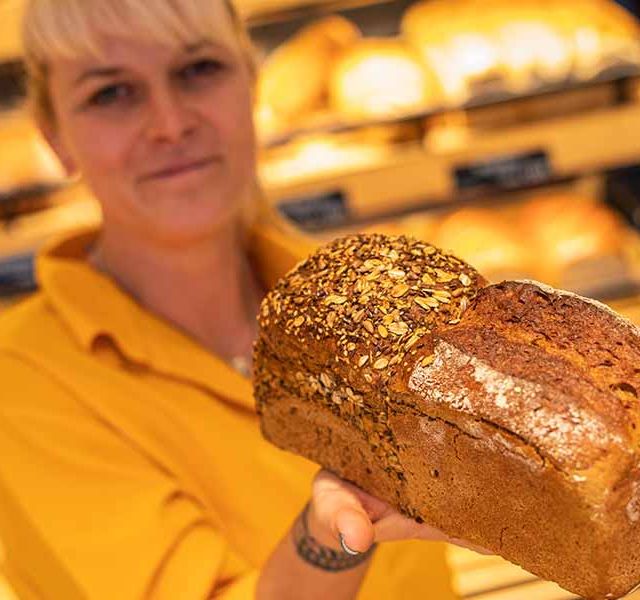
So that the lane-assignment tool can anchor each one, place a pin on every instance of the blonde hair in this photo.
(67, 28)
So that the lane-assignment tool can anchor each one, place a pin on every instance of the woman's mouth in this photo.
(182, 168)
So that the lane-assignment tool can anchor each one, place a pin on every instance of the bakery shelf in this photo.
(412, 176)
(618, 79)
(258, 13)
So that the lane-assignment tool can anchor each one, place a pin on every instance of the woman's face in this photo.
(163, 136)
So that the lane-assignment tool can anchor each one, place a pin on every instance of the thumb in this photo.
(339, 511)
(356, 528)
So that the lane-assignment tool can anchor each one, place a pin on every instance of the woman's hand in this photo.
(340, 508)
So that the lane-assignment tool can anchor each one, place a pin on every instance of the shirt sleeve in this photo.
(85, 516)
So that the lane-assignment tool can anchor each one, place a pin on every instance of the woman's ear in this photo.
(51, 133)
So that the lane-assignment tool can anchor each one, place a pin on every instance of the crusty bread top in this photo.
(375, 295)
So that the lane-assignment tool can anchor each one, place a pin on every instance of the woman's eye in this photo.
(201, 68)
(111, 94)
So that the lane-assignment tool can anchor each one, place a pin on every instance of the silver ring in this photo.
(346, 548)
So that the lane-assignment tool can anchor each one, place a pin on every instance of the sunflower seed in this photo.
(399, 328)
(396, 273)
(427, 360)
(399, 290)
(464, 279)
(381, 363)
(357, 316)
(411, 341)
(427, 279)
(426, 303)
(326, 380)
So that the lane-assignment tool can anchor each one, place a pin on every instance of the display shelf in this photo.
(508, 158)
(613, 83)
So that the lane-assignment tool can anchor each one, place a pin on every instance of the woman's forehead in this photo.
(90, 30)
(125, 54)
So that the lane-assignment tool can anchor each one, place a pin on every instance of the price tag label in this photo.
(317, 212)
(506, 172)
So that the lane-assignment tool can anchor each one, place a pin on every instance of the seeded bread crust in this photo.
(505, 415)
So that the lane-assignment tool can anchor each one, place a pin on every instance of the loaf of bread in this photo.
(381, 77)
(487, 240)
(293, 79)
(502, 414)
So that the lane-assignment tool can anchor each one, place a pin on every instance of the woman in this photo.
(132, 464)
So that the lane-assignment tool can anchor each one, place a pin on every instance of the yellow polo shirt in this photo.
(131, 461)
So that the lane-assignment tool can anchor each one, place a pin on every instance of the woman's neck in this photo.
(208, 290)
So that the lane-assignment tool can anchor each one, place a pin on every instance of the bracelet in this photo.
(323, 557)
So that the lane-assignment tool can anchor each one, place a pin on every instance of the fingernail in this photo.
(346, 548)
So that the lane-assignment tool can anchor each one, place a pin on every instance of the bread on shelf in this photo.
(485, 239)
(380, 77)
(479, 46)
(505, 414)
(576, 240)
(293, 79)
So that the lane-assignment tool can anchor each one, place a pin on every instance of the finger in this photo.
(374, 507)
(427, 532)
(396, 526)
(339, 510)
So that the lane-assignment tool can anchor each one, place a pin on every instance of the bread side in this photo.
(337, 328)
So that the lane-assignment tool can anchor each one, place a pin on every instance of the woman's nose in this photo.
(170, 118)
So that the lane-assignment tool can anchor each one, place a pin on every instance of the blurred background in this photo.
(506, 131)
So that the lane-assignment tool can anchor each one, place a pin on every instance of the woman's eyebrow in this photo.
(197, 46)
(114, 71)
(99, 72)
(191, 48)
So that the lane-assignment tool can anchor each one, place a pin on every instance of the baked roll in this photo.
(502, 414)
(294, 78)
(381, 78)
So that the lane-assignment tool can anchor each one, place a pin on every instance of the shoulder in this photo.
(31, 326)
(29, 333)
(21, 319)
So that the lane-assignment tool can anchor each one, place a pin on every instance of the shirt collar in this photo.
(92, 306)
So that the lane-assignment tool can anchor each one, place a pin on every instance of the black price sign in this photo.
(506, 172)
(317, 212)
